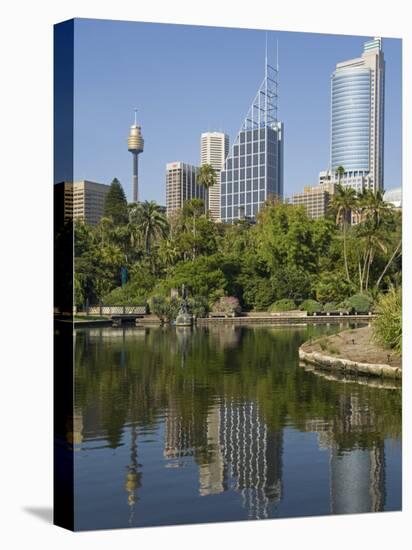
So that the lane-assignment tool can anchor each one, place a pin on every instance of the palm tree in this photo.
(343, 202)
(152, 222)
(192, 209)
(374, 232)
(340, 171)
(207, 178)
(374, 206)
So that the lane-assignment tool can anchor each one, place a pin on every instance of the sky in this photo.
(185, 80)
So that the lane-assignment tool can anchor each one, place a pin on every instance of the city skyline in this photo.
(192, 104)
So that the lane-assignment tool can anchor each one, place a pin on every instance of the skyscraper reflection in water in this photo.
(239, 454)
(357, 477)
(252, 457)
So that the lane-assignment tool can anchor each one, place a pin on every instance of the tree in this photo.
(152, 223)
(374, 234)
(115, 205)
(206, 177)
(343, 202)
(340, 172)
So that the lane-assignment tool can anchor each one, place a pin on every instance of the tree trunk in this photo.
(345, 257)
(378, 282)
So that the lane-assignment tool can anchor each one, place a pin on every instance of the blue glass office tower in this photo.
(357, 118)
(253, 170)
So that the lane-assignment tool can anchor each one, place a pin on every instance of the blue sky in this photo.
(188, 79)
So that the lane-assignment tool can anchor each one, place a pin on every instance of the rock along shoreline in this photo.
(342, 365)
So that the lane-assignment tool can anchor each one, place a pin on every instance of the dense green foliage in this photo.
(115, 204)
(310, 306)
(387, 327)
(285, 304)
(285, 255)
(360, 303)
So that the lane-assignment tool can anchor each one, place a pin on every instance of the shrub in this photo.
(360, 303)
(125, 296)
(166, 309)
(387, 327)
(198, 306)
(283, 305)
(345, 307)
(330, 306)
(311, 306)
(227, 304)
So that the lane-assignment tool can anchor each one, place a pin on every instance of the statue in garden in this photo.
(184, 318)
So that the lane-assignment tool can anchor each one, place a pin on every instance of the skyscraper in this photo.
(181, 185)
(135, 144)
(357, 125)
(81, 200)
(253, 170)
(214, 148)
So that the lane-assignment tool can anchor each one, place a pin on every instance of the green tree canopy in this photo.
(115, 205)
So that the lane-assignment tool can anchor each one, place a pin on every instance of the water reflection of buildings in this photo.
(183, 437)
(237, 452)
(133, 479)
(357, 476)
(252, 456)
(357, 472)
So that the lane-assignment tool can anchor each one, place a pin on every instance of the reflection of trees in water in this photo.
(139, 380)
(224, 337)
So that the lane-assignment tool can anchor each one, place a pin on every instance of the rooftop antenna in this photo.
(277, 54)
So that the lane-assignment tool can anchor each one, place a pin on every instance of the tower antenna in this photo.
(277, 54)
(135, 117)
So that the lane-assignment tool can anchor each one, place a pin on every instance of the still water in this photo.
(222, 423)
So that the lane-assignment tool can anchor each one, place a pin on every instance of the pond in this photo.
(222, 423)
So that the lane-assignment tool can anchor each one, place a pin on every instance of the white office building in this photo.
(214, 148)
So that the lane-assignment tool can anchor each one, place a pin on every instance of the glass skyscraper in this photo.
(357, 118)
(253, 170)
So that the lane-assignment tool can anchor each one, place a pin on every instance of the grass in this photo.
(326, 346)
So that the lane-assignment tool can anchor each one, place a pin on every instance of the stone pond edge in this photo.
(347, 366)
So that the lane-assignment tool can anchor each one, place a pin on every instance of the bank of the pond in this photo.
(262, 318)
(354, 352)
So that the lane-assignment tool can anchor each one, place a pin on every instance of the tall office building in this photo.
(181, 185)
(82, 200)
(253, 170)
(357, 125)
(214, 148)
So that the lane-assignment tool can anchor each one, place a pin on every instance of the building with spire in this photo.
(253, 170)
(135, 145)
(357, 119)
(214, 148)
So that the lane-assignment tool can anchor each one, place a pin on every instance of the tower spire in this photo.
(277, 55)
(135, 116)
